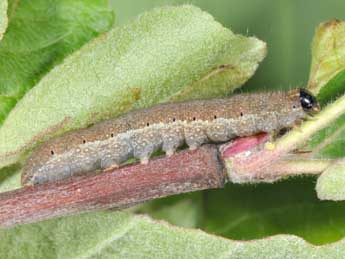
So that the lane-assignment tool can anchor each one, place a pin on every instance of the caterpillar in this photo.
(165, 127)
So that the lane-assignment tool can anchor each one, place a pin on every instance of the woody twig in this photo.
(187, 171)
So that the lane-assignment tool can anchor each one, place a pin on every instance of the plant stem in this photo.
(187, 171)
(298, 167)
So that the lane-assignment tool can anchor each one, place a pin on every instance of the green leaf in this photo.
(330, 185)
(246, 212)
(328, 54)
(120, 235)
(3, 17)
(40, 34)
(334, 88)
(6, 104)
(150, 60)
(290, 207)
(327, 77)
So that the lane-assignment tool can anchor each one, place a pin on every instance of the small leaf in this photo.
(328, 53)
(148, 61)
(327, 77)
(3, 17)
(330, 185)
(40, 34)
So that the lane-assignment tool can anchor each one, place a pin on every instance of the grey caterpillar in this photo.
(165, 127)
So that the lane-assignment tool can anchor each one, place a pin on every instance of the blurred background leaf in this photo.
(39, 35)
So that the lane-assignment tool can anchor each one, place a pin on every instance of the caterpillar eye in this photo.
(308, 101)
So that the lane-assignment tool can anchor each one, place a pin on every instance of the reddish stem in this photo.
(186, 171)
(248, 161)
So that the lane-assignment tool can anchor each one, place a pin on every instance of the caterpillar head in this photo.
(308, 102)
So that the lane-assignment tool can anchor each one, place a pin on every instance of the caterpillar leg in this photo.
(46, 174)
(145, 142)
(111, 168)
(169, 153)
(114, 152)
(144, 160)
(194, 147)
(82, 160)
(173, 138)
(219, 131)
(195, 135)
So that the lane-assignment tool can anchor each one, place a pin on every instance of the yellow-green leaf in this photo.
(331, 184)
(3, 17)
(328, 53)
